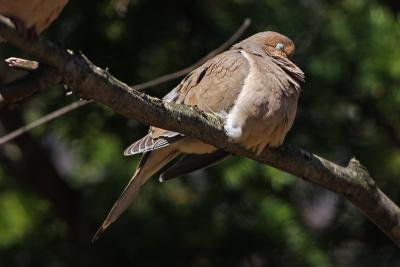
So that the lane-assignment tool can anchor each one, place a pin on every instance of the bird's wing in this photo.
(150, 163)
(193, 162)
(156, 139)
(213, 87)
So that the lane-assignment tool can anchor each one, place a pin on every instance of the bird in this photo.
(254, 87)
(31, 17)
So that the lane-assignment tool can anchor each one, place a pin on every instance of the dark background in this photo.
(58, 182)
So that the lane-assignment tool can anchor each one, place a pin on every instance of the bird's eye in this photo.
(279, 46)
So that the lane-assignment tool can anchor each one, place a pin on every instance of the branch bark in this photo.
(91, 82)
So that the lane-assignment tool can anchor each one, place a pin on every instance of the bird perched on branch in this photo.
(31, 17)
(254, 86)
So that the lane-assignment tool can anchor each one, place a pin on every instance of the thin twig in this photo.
(43, 120)
(62, 111)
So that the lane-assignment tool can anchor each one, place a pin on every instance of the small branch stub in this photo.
(22, 64)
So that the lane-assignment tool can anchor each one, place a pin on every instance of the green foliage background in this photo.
(58, 182)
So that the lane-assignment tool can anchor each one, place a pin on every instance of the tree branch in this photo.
(91, 82)
(46, 77)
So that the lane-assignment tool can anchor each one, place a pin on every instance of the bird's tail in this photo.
(150, 163)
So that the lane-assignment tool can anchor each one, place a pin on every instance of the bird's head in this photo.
(278, 44)
(272, 43)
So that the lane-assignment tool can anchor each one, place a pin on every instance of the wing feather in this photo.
(148, 143)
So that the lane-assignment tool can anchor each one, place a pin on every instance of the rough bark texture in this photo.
(91, 82)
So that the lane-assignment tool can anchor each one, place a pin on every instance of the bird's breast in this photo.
(264, 110)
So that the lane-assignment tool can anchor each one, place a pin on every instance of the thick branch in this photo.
(89, 81)
(26, 86)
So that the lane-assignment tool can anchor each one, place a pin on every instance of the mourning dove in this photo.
(32, 15)
(253, 86)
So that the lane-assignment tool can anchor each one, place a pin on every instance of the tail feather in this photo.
(150, 163)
